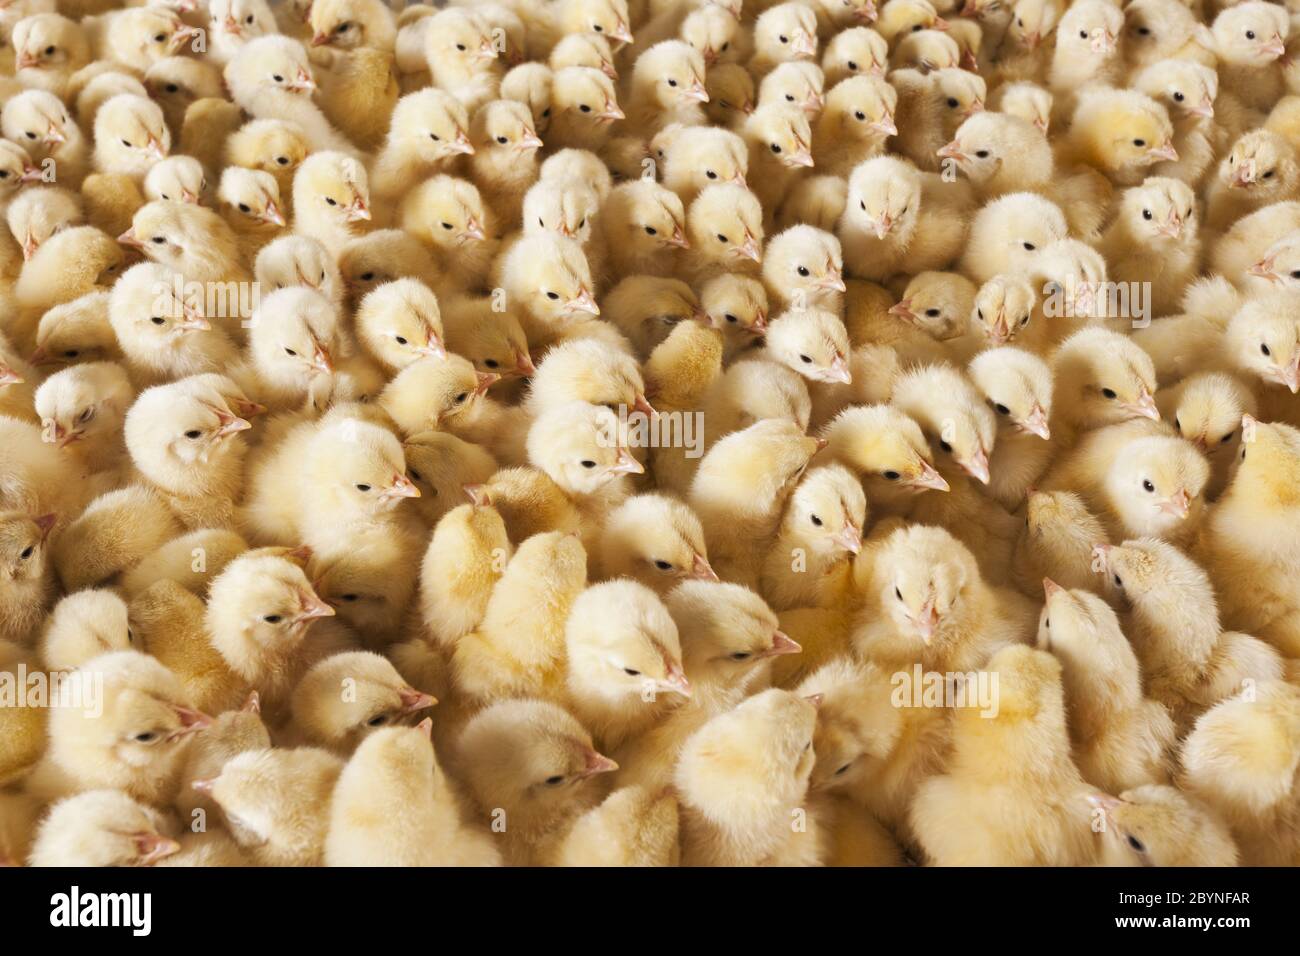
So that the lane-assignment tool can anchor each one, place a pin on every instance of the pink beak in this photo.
(413, 700)
(839, 371)
(1264, 270)
(885, 125)
(1036, 423)
(642, 405)
(524, 364)
(462, 144)
(358, 211)
(584, 303)
(402, 487)
(1166, 152)
(750, 249)
(1145, 406)
(701, 570)
(128, 238)
(485, 380)
(929, 478)
(8, 376)
(1050, 588)
(597, 763)
(781, 644)
(312, 608)
(903, 309)
(31, 174)
(26, 61)
(850, 538)
(153, 847)
(273, 215)
(978, 466)
(625, 464)
(478, 495)
(1179, 505)
(320, 39)
(927, 622)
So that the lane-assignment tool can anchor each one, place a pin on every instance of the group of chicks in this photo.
(326, 330)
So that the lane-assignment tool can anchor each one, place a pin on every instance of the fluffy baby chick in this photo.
(178, 82)
(533, 762)
(449, 216)
(1018, 387)
(926, 51)
(1206, 409)
(352, 24)
(1101, 378)
(1005, 234)
(1259, 170)
(632, 827)
(393, 806)
(1120, 133)
(102, 827)
(644, 224)
(1087, 51)
(938, 303)
(494, 341)
(131, 135)
(803, 270)
(584, 104)
(1154, 239)
(448, 395)
(299, 261)
(813, 343)
(737, 305)
(82, 409)
(930, 109)
(783, 33)
(887, 450)
(741, 776)
(250, 201)
(953, 412)
(137, 744)
(698, 156)
(190, 239)
(741, 486)
(430, 130)
(27, 573)
(518, 648)
(400, 323)
(623, 660)
(504, 163)
(667, 86)
(798, 84)
(141, 36)
(1158, 825)
(1189, 90)
(346, 697)
(48, 50)
(37, 214)
(380, 256)
(462, 56)
(587, 370)
(548, 276)
(294, 344)
(271, 78)
(890, 221)
(330, 196)
(233, 23)
(40, 122)
(275, 802)
(656, 540)
(191, 560)
(1250, 41)
(18, 381)
(271, 146)
(858, 118)
(463, 563)
(725, 226)
(176, 178)
(731, 95)
(821, 531)
(1121, 740)
(1020, 757)
(75, 331)
(853, 52)
(647, 309)
(780, 149)
(440, 465)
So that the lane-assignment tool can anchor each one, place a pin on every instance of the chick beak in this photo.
(128, 238)
(231, 26)
(813, 104)
(621, 33)
(484, 381)
(625, 464)
(1244, 177)
(697, 92)
(969, 10)
(978, 466)
(30, 245)
(1036, 423)
(928, 478)
(839, 371)
(45, 523)
(1173, 226)
(38, 357)
(69, 438)
(749, 248)
(155, 148)
(1145, 406)
(152, 847)
(608, 69)
(759, 325)
(849, 538)
(1033, 39)
(1264, 269)
(321, 360)
(939, 24)
(1202, 441)
(358, 211)
(832, 281)
(414, 700)
(304, 83)
(584, 302)
(8, 376)
(642, 405)
(882, 225)
(1274, 48)
(478, 495)
(968, 61)
(1205, 109)
(487, 50)
(701, 570)
(1291, 374)
(26, 61)
(320, 39)
(927, 621)
(595, 764)
(473, 231)
(781, 644)
(1050, 588)
(676, 682)
(529, 141)
(976, 106)
(903, 309)
(312, 607)
(524, 366)
(885, 125)
(271, 214)
(678, 239)
(191, 321)
(55, 137)
(182, 36)
(1166, 152)
(1043, 123)
(1000, 332)
(710, 56)
(433, 348)
(801, 158)
(804, 45)
(610, 113)
(865, 14)
(461, 144)
(31, 174)
(231, 425)
(1178, 505)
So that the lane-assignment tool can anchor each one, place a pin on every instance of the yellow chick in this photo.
(783, 33)
(347, 697)
(1158, 825)
(330, 196)
(584, 104)
(644, 224)
(858, 118)
(271, 146)
(887, 450)
(466, 556)
(462, 56)
(41, 123)
(1119, 133)
(737, 305)
(950, 409)
(731, 95)
(698, 156)
(1007, 232)
(449, 216)
(131, 135)
(667, 86)
(798, 84)
(250, 200)
(191, 560)
(430, 130)
(725, 228)
(1121, 740)
(780, 150)
(400, 323)
(1190, 92)
(28, 578)
(75, 331)
(1155, 237)
(48, 50)
(855, 51)
(178, 178)
(103, 827)
(647, 309)
(1249, 40)
(18, 380)
(440, 465)
(821, 531)
(656, 540)
(632, 827)
(1101, 378)
(504, 163)
(804, 270)
(191, 240)
(549, 278)
(1259, 170)
(931, 107)
(232, 732)
(939, 303)
(232, 23)
(82, 409)
(1018, 387)
(355, 23)
(37, 214)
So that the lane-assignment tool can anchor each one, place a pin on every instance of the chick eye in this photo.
(1001, 409)
(363, 487)
(806, 359)
(278, 78)
(86, 415)
(803, 271)
(740, 656)
(1146, 214)
(343, 28)
(193, 433)
(415, 475)
(722, 238)
(897, 593)
(789, 98)
(554, 781)
(731, 318)
(843, 770)
(1029, 246)
(1269, 174)
(461, 47)
(126, 144)
(282, 160)
(1147, 485)
(651, 231)
(330, 201)
(31, 135)
(932, 313)
(817, 522)
(147, 737)
(585, 108)
(1144, 31)
(587, 463)
(1250, 34)
(1265, 349)
(1178, 97)
(1083, 34)
(952, 103)
(945, 446)
(663, 565)
(776, 148)
(367, 277)
(158, 240)
(630, 672)
(552, 296)
(852, 65)
(27, 552)
(1139, 142)
(784, 39)
(157, 320)
(1118, 582)
(461, 397)
(273, 619)
(289, 351)
(1228, 437)
(401, 339)
(491, 363)
(248, 19)
(1108, 392)
(672, 82)
(1136, 844)
(982, 153)
(243, 207)
(502, 140)
(892, 476)
(159, 37)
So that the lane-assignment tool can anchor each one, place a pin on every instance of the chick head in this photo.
(361, 465)
(270, 63)
(1073, 273)
(1208, 410)
(1014, 228)
(346, 697)
(550, 275)
(884, 446)
(150, 306)
(76, 331)
(83, 626)
(102, 828)
(1263, 163)
(496, 344)
(335, 184)
(131, 130)
(1161, 209)
(1146, 567)
(399, 322)
(374, 258)
(1123, 129)
(348, 24)
(144, 35)
(736, 304)
(953, 414)
(459, 35)
(174, 234)
(586, 96)
(925, 577)
(1185, 88)
(531, 758)
(432, 123)
(566, 207)
(1156, 484)
(48, 41)
(581, 446)
(298, 261)
(857, 726)
(731, 94)
(448, 212)
(86, 402)
(1280, 265)
(805, 263)
(854, 52)
(530, 84)
(1054, 519)
(505, 125)
(369, 599)
(1251, 34)
(441, 465)
(39, 122)
(726, 223)
(23, 554)
(171, 433)
(783, 132)
(273, 146)
(16, 169)
(261, 792)
(651, 217)
(294, 335)
(583, 49)
(1160, 825)
(787, 31)
(436, 394)
(927, 51)
(1032, 22)
(866, 105)
(745, 761)
(622, 643)
(796, 84)
(701, 155)
(37, 214)
(588, 370)
(884, 196)
(241, 20)
(1269, 462)
(1026, 101)
(726, 631)
(813, 342)
(673, 73)
(1264, 337)
(1029, 691)
(265, 602)
(828, 509)
(938, 303)
(181, 179)
(252, 195)
(656, 540)
(1018, 387)
(985, 142)
(1082, 631)
(712, 31)
(1105, 377)
(1090, 31)
(175, 82)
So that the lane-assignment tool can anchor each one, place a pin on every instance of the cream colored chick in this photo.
(1189, 90)
(271, 78)
(1017, 385)
(164, 335)
(355, 23)
(892, 222)
(103, 827)
(1158, 825)
(41, 124)
(926, 51)
(667, 86)
(1059, 540)
(632, 827)
(1259, 170)
(1250, 40)
(233, 23)
(430, 130)
(1018, 758)
(275, 802)
(587, 370)
(647, 308)
(799, 84)
(82, 409)
(938, 610)
(48, 50)
(714, 31)
(137, 743)
(1240, 760)
(1206, 409)
(737, 305)
(656, 540)
(530, 84)
(698, 156)
(780, 149)
(583, 49)
(380, 256)
(449, 216)
(299, 261)
(782, 33)
(950, 409)
(1006, 233)
(858, 118)
(1187, 662)
(346, 697)
(569, 208)
(1154, 239)
(393, 806)
(399, 323)
(803, 270)
(177, 82)
(17, 166)
(584, 103)
(813, 343)
(533, 762)
(295, 341)
(725, 225)
(272, 146)
(130, 136)
(493, 341)
(644, 224)
(1278, 267)
(930, 109)
(440, 465)
(178, 179)
(330, 196)
(141, 36)
(1101, 378)
(899, 17)
(938, 303)
(1264, 341)
(191, 560)
(741, 776)
(1159, 29)
(624, 663)
(462, 56)
(1087, 51)
(1119, 133)
(465, 559)
(83, 626)
(504, 163)
(888, 452)
(250, 201)
(854, 52)
(731, 95)
(548, 276)
(446, 395)
(189, 239)
(810, 561)
(37, 214)
(1120, 739)
(26, 575)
